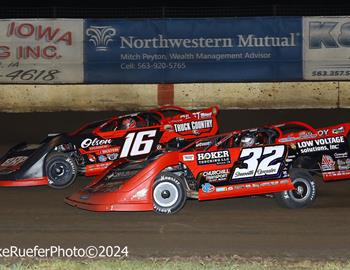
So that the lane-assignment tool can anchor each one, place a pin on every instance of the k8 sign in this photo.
(41, 51)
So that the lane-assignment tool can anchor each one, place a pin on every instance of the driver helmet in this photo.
(129, 123)
(248, 140)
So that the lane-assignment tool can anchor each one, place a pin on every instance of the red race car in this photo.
(58, 159)
(279, 159)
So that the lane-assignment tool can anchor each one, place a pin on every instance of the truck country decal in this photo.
(319, 145)
(193, 126)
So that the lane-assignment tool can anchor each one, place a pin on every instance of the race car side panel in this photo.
(134, 194)
(23, 165)
(235, 172)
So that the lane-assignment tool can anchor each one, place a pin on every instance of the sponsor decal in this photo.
(252, 185)
(217, 157)
(216, 175)
(259, 162)
(341, 155)
(14, 161)
(188, 157)
(324, 144)
(109, 150)
(302, 136)
(207, 188)
(221, 189)
(112, 156)
(322, 132)
(94, 142)
(343, 164)
(92, 158)
(338, 130)
(101, 36)
(289, 139)
(193, 126)
(306, 135)
(85, 196)
(141, 194)
(203, 144)
(327, 163)
(102, 158)
(336, 173)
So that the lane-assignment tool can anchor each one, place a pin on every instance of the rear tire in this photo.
(60, 169)
(304, 193)
(169, 194)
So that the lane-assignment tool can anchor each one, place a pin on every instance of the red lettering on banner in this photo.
(39, 32)
(26, 52)
(4, 52)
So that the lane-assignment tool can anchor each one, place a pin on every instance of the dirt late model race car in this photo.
(281, 160)
(58, 159)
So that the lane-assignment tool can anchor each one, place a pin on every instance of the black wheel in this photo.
(304, 193)
(169, 194)
(60, 169)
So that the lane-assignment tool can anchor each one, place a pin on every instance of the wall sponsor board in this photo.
(193, 50)
(326, 52)
(41, 51)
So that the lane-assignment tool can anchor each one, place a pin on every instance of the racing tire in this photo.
(169, 194)
(61, 170)
(304, 193)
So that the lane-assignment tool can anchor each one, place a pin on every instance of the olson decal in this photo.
(94, 142)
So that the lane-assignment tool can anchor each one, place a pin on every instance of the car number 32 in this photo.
(260, 161)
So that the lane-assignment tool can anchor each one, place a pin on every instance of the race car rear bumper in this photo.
(40, 181)
(109, 207)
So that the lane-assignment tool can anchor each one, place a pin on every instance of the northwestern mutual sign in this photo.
(193, 50)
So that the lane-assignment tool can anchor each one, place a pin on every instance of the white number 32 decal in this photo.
(260, 161)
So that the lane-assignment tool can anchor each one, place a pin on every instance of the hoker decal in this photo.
(217, 157)
(194, 125)
(318, 145)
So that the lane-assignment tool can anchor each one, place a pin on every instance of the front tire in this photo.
(61, 170)
(169, 194)
(304, 193)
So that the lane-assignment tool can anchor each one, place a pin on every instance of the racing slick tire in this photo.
(60, 169)
(169, 194)
(304, 193)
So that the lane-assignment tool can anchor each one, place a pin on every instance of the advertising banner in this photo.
(193, 50)
(326, 53)
(41, 51)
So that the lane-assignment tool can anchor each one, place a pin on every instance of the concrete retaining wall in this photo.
(26, 98)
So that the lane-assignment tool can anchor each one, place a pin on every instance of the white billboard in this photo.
(41, 51)
(326, 52)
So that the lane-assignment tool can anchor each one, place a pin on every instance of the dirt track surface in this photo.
(245, 226)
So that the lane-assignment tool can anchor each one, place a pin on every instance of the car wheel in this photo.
(304, 193)
(61, 170)
(169, 194)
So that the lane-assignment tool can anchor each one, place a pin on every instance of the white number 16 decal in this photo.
(138, 146)
(255, 167)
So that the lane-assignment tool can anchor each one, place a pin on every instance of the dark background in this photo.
(169, 9)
